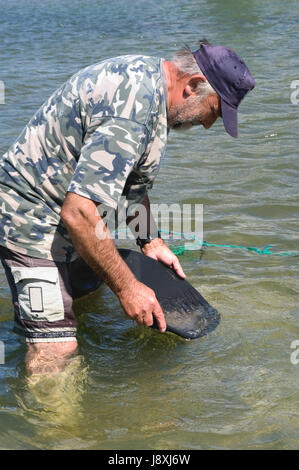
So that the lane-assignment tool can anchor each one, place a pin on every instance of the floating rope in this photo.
(181, 249)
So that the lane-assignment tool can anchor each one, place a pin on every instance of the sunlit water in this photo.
(131, 387)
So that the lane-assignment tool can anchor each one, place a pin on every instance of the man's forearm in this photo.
(92, 241)
(156, 248)
(142, 224)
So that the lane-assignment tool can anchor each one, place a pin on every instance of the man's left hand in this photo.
(159, 251)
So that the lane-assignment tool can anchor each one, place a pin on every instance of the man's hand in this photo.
(140, 304)
(159, 251)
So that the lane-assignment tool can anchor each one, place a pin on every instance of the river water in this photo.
(131, 387)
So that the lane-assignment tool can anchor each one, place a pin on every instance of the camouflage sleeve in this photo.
(141, 179)
(136, 187)
(107, 157)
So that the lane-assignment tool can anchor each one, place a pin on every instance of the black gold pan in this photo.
(186, 312)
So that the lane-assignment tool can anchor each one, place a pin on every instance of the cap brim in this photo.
(230, 118)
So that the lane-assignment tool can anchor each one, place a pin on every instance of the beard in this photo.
(185, 115)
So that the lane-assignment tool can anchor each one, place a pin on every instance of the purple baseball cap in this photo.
(230, 78)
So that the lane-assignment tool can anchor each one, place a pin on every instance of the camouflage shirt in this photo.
(101, 135)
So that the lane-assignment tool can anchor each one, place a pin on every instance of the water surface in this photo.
(131, 387)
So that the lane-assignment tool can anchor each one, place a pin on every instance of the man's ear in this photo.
(191, 85)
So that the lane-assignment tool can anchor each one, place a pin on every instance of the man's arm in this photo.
(156, 249)
(92, 241)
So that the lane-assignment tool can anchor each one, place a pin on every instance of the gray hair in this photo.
(187, 65)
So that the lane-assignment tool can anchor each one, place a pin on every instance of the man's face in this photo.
(194, 111)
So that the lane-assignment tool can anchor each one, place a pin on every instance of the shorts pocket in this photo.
(39, 293)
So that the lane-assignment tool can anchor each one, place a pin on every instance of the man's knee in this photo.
(53, 347)
(49, 357)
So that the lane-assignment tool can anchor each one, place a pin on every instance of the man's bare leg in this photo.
(46, 358)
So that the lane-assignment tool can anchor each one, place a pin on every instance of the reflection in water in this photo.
(53, 402)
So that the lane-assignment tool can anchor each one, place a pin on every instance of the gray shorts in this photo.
(43, 292)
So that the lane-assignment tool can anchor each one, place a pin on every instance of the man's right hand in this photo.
(140, 304)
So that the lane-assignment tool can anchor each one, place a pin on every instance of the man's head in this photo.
(204, 85)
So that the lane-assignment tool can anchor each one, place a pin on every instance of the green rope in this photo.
(181, 249)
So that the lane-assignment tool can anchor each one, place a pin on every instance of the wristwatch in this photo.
(143, 241)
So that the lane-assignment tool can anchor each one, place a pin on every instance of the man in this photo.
(100, 137)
